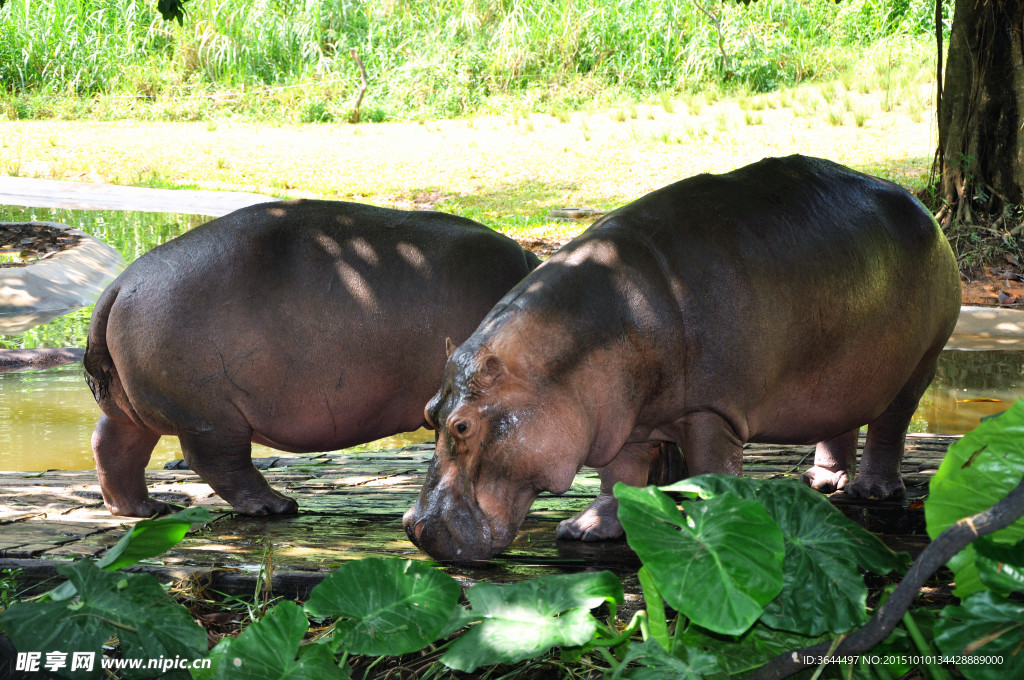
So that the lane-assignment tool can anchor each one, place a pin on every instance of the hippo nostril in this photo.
(418, 530)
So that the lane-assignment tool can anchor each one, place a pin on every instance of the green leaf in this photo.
(738, 656)
(719, 566)
(148, 538)
(152, 537)
(990, 630)
(270, 650)
(1000, 566)
(132, 607)
(172, 10)
(977, 472)
(523, 620)
(823, 590)
(654, 603)
(654, 663)
(388, 606)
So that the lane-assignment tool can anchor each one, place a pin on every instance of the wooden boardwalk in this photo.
(351, 507)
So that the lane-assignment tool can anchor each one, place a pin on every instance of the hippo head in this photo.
(504, 434)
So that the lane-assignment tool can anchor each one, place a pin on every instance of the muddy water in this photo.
(47, 417)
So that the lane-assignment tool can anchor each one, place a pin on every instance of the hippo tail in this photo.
(532, 261)
(100, 372)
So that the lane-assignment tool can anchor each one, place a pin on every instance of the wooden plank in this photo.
(351, 507)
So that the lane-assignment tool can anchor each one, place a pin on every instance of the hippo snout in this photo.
(451, 535)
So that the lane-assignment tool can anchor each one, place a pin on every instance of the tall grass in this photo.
(439, 58)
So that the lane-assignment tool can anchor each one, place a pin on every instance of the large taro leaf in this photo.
(1001, 566)
(132, 607)
(823, 590)
(719, 565)
(737, 656)
(270, 649)
(386, 606)
(978, 471)
(650, 661)
(523, 620)
(989, 631)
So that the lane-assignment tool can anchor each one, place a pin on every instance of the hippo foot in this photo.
(272, 503)
(872, 487)
(147, 507)
(825, 480)
(598, 522)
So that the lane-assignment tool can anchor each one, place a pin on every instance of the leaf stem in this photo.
(935, 671)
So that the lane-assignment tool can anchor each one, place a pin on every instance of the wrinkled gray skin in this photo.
(790, 301)
(304, 326)
(13, 360)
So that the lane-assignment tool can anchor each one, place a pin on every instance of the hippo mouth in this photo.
(459, 535)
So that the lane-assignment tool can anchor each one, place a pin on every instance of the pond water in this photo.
(47, 417)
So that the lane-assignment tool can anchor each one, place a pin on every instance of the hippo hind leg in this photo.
(225, 463)
(834, 462)
(122, 450)
(879, 473)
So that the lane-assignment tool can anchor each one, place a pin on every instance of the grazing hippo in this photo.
(790, 301)
(304, 326)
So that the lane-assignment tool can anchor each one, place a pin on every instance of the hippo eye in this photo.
(461, 427)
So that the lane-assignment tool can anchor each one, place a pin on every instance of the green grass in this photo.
(290, 60)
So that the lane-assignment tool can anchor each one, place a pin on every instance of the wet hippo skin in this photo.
(790, 301)
(304, 326)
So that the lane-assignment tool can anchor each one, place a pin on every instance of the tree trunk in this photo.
(980, 159)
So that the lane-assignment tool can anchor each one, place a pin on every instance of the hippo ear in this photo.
(491, 368)
(449, 347)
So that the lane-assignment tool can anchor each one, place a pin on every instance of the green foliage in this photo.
(8, 587)
(523, 620)
(446, 58)
(152, 537)
(719, 565)
(271, 649)
(132, 607)
(977, 471)
(172, 10)
(823, 553)
(375, 598)
(985, 627)
(95, 604)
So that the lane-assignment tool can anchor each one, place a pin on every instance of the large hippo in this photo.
(790, 301)
(304, 326)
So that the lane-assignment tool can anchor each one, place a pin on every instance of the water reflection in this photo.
(130, 233)
(969, 386)
(47, 417)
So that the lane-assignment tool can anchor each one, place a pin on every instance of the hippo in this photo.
(301, 325)
(790, 301)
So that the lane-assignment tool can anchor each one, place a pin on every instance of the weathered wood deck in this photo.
(351, 507)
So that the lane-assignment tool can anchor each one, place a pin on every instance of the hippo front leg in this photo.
(600, 521)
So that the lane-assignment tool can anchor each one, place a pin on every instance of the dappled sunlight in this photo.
(365, 252)
(357, 286)
(416, 259)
